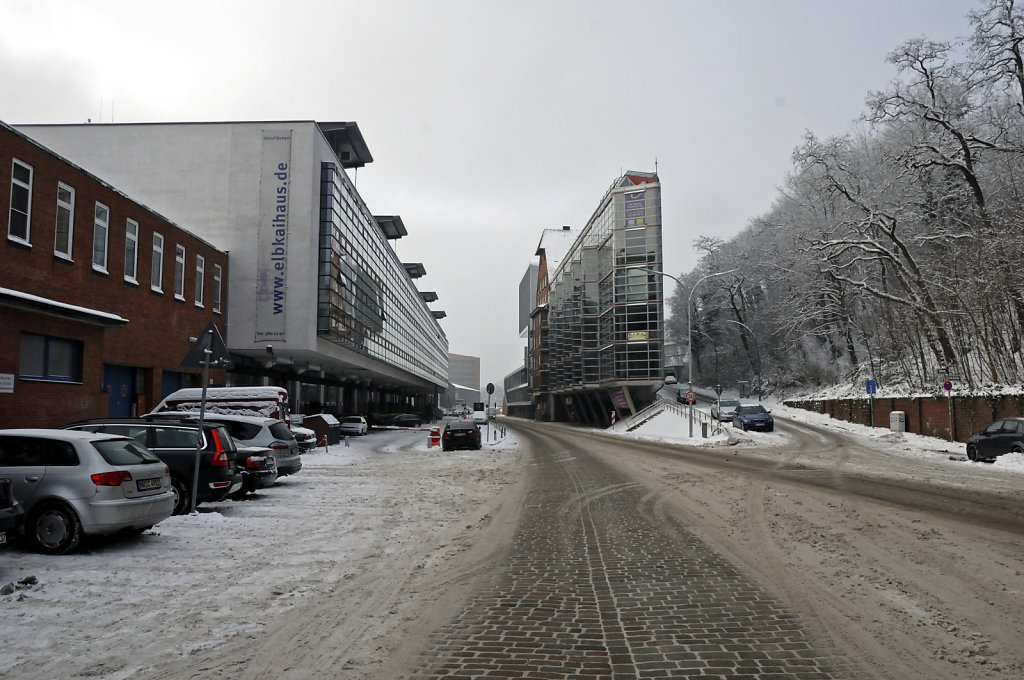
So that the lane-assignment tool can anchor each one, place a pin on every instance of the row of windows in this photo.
(20, 225)
(605, 305)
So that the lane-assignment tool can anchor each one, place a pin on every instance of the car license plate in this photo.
(147, 484)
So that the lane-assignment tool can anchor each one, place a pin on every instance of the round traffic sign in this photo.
(948, 385)
(691, 396)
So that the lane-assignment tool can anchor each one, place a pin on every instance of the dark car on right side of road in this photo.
(174, 442)
(460, 434)
(753, 417)
(1005, 435)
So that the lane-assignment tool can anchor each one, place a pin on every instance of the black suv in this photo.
(174, 442)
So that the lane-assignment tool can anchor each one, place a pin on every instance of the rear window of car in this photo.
(241, 430)
(281, 431)
(124, 452)
(165, 437)
(354, 419)
(462, 425)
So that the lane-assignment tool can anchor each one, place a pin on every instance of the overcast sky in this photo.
(488, 121)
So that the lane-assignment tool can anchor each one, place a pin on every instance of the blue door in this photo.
(119, 381)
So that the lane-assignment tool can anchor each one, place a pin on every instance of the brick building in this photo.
(99, 295)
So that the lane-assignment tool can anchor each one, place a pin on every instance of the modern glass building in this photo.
(319, 302)
(605, 308)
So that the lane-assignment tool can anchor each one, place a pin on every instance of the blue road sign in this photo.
(871, 385)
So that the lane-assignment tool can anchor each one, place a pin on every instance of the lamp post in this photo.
(689, 332)
(756, 344)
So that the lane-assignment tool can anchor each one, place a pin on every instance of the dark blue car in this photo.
(753, 417)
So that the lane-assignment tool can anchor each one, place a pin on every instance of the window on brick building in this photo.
(101, 229)
(200, 279)
(179, 272)
(20, 219)
(131, 251)
(44, 357)
(217, 275)
(156, 279)
(65, 229)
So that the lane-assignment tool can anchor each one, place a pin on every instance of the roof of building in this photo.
(348, 143)
(555, 244)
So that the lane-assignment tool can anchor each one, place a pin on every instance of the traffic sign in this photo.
(872, 385)
(948, 385)
(691, 397)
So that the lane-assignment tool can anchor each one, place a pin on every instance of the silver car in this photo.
(75, 483)
(724, 409)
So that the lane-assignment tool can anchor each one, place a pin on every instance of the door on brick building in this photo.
(120, 381)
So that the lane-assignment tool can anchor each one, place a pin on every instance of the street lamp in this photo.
(756, 344)
(689, 332)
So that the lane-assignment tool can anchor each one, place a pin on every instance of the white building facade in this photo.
(318, 300)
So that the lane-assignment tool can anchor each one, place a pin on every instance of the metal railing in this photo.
(663, 404)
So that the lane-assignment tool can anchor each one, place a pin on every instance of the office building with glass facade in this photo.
(318, 300)
(604, 310)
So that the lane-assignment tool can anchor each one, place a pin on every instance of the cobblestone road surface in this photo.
(598, 585)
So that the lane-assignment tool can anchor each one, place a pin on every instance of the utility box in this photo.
(326, 426)
(898, 421)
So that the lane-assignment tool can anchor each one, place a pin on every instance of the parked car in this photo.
(1005, 435)
(12, 513)
(724, 409)
(172, 438)
(259, 469)
(460, 434)
(354, 425)
(76, 483)
(304, 437)
(270, 433)
(406, 420)
(753, 417)
(480, 417)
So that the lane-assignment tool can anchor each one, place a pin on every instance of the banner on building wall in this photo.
(272, 235)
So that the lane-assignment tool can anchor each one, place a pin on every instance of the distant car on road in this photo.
(480, 417)
(460, 434)
(753, 417)
(724, 409)
(354, 425)
(406, 420)
(75, 483)
(1005, 435)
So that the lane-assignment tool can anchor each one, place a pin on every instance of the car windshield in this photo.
(757, 408)
(124, 452)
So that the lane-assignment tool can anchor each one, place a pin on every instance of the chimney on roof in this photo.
(566, 227)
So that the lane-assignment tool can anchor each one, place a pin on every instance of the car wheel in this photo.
(54, 529)
(1017, 448)
(972, 452)
(182, 496)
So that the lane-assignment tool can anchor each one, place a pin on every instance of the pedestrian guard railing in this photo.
(714, 427)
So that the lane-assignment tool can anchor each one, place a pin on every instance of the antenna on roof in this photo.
(655, 165)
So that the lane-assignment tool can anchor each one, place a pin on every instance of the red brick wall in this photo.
(924, 415)
(157, 335)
